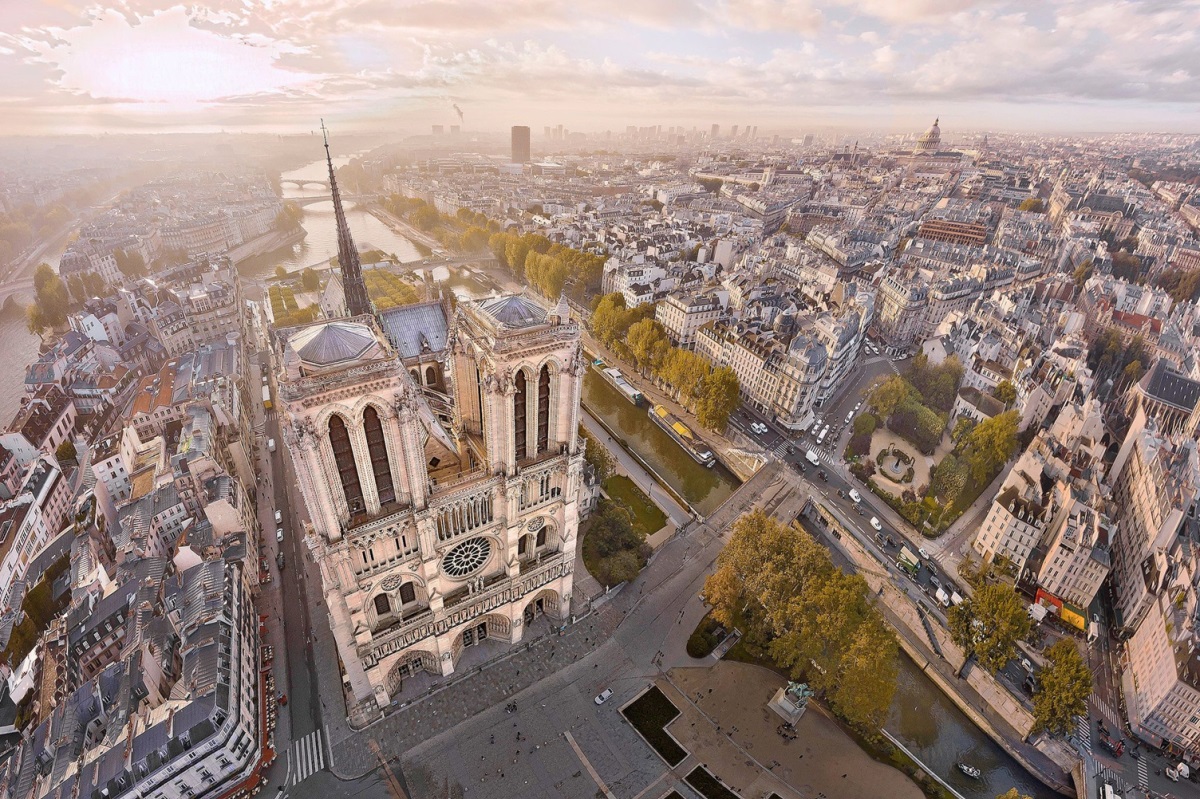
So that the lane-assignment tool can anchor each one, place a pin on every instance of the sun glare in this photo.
(163, 59)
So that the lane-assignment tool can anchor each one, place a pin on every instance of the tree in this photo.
(131, 264)
(66, 452)
(1083, 272)
(990, 444)
(648, 343)
(888, 395)
(281, 272)
(781, 589)
(310, 279)
(961, 428)
(1006, 392)
(51, 300)
(1064, 687)
(989, 624)
(718, 399)
(867, 675)
(948, 479)
(685, 371)
(1033, 205)
(598, 457)
(610, 319)
(1127, 265)
(918, 424)
(76, 288)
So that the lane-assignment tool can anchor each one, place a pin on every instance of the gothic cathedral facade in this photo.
(439, 520)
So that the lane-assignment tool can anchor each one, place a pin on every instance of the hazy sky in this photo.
(71, 66)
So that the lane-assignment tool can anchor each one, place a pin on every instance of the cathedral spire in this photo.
(355, 290)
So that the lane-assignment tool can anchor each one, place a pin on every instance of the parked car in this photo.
(923, 553)
(604, 695)
(876, 524)
(278, 517)
(279, 534)
(855, 497)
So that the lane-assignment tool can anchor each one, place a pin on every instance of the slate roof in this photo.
(514, 311)
(333, 342)
(1166, 384)
(413, 329)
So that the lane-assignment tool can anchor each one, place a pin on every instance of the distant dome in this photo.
(332, 343)
(514, 311)
(931, 140)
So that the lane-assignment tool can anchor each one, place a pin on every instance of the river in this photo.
(937, 732)
(703, 488)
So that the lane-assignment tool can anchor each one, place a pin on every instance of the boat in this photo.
(618, 381)
(969, 770)
(683, 436)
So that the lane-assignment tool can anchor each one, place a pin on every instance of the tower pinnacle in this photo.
(353, 286)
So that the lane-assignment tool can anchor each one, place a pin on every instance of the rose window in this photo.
(467, 557)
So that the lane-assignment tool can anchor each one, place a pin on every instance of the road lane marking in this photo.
(588, 765)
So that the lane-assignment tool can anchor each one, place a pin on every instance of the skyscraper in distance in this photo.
(520, 144)
(716, 130)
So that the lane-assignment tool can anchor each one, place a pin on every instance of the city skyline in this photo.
(1062, 67)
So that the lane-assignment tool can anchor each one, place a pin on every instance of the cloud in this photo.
(585, 60)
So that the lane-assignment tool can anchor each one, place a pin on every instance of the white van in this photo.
(279, 517)
(855, 497)
(824, 433)
(812, 458)
(271, 444)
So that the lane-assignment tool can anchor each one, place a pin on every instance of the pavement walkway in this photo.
(725, 725)
(469, 692)
(629, 467)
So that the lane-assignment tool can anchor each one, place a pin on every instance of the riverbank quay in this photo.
(742, 462)
(403, 228)
(267, 242)
(976, 693)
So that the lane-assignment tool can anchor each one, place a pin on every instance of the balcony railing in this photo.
(465, 608)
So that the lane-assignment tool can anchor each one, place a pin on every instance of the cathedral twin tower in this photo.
(443, 516)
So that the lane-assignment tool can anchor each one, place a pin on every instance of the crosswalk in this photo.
(1102, 708)
(826, 452)
(1143, 773)
(1112, 778)
(1083, 733)
(307, 757)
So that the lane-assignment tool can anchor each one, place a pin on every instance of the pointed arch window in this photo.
(519, 406)
(343, 456)
(376, 446)
(543, 411)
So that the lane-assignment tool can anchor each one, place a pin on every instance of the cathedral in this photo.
(438, 456)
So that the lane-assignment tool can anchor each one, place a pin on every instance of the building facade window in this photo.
(519, 410)
(343, 456)
(543, 411)
(373, 427)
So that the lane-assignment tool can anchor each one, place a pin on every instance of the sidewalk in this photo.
(629, 467)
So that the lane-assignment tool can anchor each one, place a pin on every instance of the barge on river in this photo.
(618, 381)
(683, 436)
